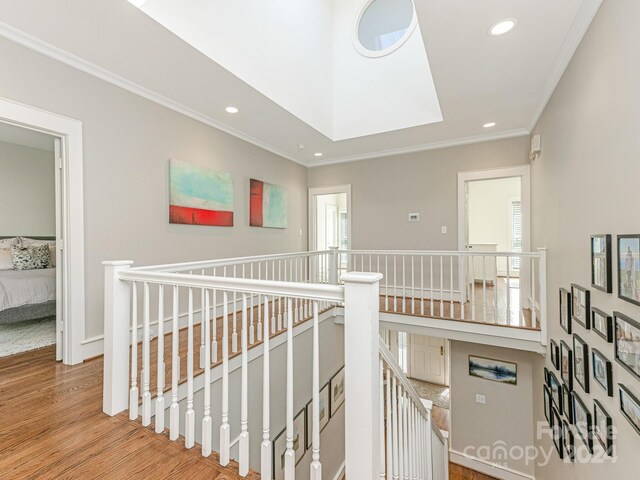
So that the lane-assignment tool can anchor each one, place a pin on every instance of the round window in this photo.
(383, 26)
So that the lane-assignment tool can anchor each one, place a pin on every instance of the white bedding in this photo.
(26, 287)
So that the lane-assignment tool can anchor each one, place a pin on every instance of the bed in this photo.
(27, 294)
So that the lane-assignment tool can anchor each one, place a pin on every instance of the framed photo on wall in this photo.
(566, 364)
(581, 362)
(565, 310)
(324, 414)
(580, 305)
(602, 371)
(629, 268)
(567, 440)
(337, 391)
(582, 421)
(547, 403)
(546, 376)
(627, 343)
(567, 404)
(280, 445)
(556, 391)
(602, 324)
(555, 354)
(630, 407)
(601, 262)
(602, 427)
(556, 426)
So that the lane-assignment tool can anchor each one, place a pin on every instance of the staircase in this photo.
(203, 373)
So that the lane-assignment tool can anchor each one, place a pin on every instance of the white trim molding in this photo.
(70, 192)
(491, 469)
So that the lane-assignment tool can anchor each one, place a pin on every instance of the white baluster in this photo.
(214, 326)
(422, 285)
(265, 453)
(395, 284)
(234, 335)
(404, 287)
(473, 287)
(206, 419)
(484, 288)
(174, 411)
(533, 294)
(405, 434)
(252, 335)
(441, 287)
(413, 287)
(316, 466)
(225, 429)
(389, 429)
(395, 425)
(260, 306)
(189, 416)
(160, 393)
(203, 318)
(508, 291)
(382, 435)
(243, 440)
(146, 363)
(401, 443)
(290, 454)
(451, 286)
(431, 299)
(133, 392)
(386, 283)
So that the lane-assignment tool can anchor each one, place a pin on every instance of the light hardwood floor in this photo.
(52, 427)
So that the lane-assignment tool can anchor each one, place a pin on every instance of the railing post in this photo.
(542, 275)
(117, 320)
(333, 266)
(362, 376)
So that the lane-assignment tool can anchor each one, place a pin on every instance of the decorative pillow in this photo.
(7, 242)
(52, 255)
(6, 263)
(30, 258)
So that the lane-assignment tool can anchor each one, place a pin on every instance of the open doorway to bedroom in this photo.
(29, 215)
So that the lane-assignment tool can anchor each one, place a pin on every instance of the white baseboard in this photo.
(340, 474)
(482, 466)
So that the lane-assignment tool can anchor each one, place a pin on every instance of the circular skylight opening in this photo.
(384, 26)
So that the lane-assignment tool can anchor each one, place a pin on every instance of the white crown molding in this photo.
(33, 43)
(518, 132)
(577, 31)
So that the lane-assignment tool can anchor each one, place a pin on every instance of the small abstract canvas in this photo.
(495, 370)
(199, 195)
(267, 205)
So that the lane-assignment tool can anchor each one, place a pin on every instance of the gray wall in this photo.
(27, 191)
(128, 142)
(586, 182)
(384, 190)
(505, 419)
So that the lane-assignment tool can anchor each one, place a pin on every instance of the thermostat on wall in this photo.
(414, 217)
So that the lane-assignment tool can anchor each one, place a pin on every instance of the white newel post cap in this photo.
(361, 277)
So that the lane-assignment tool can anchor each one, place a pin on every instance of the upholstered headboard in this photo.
(2, 237)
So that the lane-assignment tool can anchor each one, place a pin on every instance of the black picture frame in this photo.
(555, 358)
(604, 438)
(602, 371)
(565, 310)
(556, 390)
(632, 402)
(602, 324)
(556, 427)
(627, 343)
(566, 364)
(581, 362)
(568, 441)
(581, 305)
(583, 421)
(546, 395)
(567, 404)
(628, 269)
(546, 376)
(601, 259)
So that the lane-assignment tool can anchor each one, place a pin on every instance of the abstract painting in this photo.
(495, 370)
(267, 205)
(199, 195)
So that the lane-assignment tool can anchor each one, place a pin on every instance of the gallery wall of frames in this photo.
(578, 368)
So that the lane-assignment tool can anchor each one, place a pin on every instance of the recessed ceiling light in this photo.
(503, 26)
(489, 125)
(317, 154)
(231, 110)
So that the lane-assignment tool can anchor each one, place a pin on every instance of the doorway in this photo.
(66, 135)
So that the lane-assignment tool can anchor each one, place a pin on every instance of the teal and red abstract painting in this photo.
(199, 195)
(267, 205)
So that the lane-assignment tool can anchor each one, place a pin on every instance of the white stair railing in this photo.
(122, 368)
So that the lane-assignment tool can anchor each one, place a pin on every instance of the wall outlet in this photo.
(480, 399)
(414, 217)
(443, 229)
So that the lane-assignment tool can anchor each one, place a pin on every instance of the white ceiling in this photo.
(25, 137)
(478, 78)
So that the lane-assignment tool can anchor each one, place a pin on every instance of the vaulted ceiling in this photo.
(290, 68)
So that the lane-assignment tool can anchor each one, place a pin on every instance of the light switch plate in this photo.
(414, 217)
(443, 229)
(480, 399)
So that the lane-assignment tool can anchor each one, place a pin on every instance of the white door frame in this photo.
(70, 241)
(522, 171)
(312, 211)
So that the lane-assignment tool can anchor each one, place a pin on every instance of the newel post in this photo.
(117, 321)
(542, 274)
(333, 266)
(362, 374)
